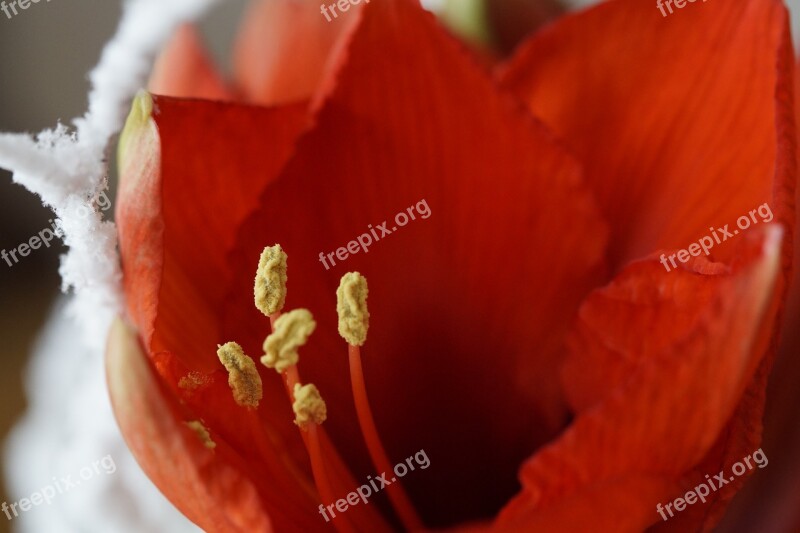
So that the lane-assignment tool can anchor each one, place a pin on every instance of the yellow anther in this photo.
(308, 405)
(290, 331)
(202, 433)
(270, 286)
(243, 376)
(351, 305)
(193, 381)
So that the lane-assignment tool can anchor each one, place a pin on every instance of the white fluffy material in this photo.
(69, 423)
(68, 168)
(69, 426)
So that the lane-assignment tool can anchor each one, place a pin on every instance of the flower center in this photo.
(290, 331)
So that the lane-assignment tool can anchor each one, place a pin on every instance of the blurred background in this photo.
(46, 52)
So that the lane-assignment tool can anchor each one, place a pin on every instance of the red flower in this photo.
(526, 334)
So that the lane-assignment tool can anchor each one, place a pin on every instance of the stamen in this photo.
(308, 405)
(243, 376)
(353, 324)
(319, 470)
(290, 331)
(202, 433)
(270, 286)
(351, 305)
(193, 380)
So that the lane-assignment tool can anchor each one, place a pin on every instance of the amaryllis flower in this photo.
(526, 327)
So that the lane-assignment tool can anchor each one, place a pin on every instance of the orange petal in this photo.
(173, 275)
(682, 122)
(285, 48)
(711, 112)
(269, 443)
(184, 69)
(770, 502)
(206, 488)
(394, 132)
(165, 263)
(637, 445)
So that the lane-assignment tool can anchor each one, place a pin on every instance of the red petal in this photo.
(681, 131)
(624, 324)
(172, 278)
(495, 182)
(769, 502)
(269, 444)
(421, 121)
(637, 445)
(175, 233)
(252, 480)
(184, 69)
(512, 20)
(177, 317)
(680, 121)
(285, 48)
(205, 487)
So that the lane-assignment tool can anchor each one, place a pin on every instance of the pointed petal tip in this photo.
(139, 115)
(185, 69)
